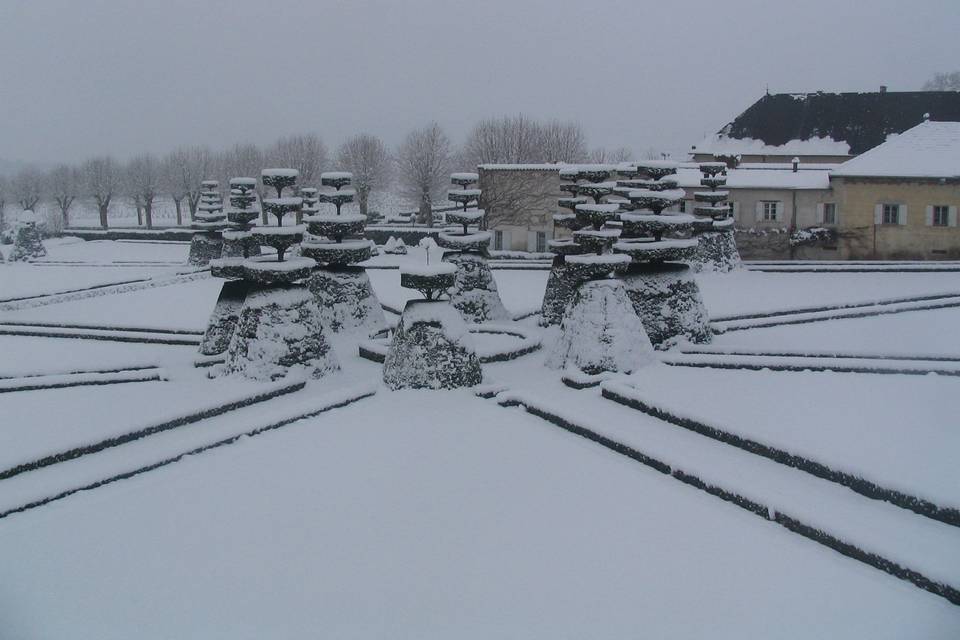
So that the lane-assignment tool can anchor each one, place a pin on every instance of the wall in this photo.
(862, 239)
(519, 201)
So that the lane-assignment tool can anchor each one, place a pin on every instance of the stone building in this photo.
(520, 200)
(900, 199)
(823, 127)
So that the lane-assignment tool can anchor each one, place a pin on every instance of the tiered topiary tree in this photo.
(280, 328)
(664, 294)
(431, 348)
(600, 331)
(209, 221)
(335, 241)
(474, 293)
(238, 244)
(311, 203)
(717, 249)
(27, 240)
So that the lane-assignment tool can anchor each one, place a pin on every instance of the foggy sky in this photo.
(86, 77)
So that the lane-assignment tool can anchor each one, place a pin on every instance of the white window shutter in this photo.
(878, 214)
(778, 211)
(735, 210)
(507, 244)
(902, 214)
(820, 213)
(531, 241)
(759, 211)
(929, 220)
(952, 216)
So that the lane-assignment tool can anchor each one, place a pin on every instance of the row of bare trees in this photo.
(420, 167)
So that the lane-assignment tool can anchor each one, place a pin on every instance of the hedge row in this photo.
(181, 456)
(744, 366)
(812, 533)
(923, 507)
(77, 452)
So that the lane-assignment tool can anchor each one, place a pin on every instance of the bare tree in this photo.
(563, 142)
(602, 155)
(423, 167)
(509, 196)
(64, 185)
(144, 182)
(366, 158)
(101, 182)
(28, 187)
(172, 182)
(510, 139)
(4, 190)
(306, 153)
(943, 82)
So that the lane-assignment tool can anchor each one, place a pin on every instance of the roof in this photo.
(522, 167)
(928, 150)
(828, 124)
(761, 178)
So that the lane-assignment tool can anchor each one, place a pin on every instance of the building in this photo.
(771, 196)
(520, 200)
(823, 127)
(900, 199)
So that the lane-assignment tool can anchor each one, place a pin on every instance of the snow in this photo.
(547, 515)
(286, 173)
(270, 264)
(423, 514)
(611, 259)
(290, 201)
(720, 144)
(451, 323)
(928, 150)
(465, 176)
(897, 430)
(336, 175)
(426, 270)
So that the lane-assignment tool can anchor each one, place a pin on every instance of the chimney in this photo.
(883, 88)
(796, 164)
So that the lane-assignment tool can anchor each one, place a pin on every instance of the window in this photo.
(829, 213)
(498, 240)
(770, 210)
(941, 216)
(891, 214)
(541, 241)
(683, 206)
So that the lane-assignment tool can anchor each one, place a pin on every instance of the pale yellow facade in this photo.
(864, 233)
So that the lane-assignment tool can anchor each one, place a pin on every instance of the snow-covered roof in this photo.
(762, 178)
(928, 150)
(523, 167)
(722, 144)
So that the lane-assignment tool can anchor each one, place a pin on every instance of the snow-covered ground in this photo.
(438, 514)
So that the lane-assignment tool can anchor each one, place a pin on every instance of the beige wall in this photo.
(745, 201)
(861, 238)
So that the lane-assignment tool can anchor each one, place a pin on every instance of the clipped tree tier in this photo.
(242, 216)
(279, 179)
(243, 183)
(206, 227)
(279, 207)
(596, 191)
(267, 270)
(656, 169)
(464, 179)
(571, 202)
(712, 197)
(228, 268)
(464, 196)
(570, 187)
(280, 238)
(596, 241)
(657, 250)
(564, 247)
(335, 179)
(637, 184)
(478, 241)
(337, 253)
(431, 280)
(209, 185)
(714, 181)
(712, 168)
(335, 226)
(628, 171)
(650, 224)
(242, 200)
(593, 267)
(597, 214)
(712, 210)
(566, 221)
(590, 173)
(656, 201)
(465, 217)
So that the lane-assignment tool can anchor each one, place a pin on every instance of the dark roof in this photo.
(862, 120)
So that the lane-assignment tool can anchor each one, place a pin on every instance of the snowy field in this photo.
(444, 515)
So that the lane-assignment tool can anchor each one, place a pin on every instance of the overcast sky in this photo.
(87, 77)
